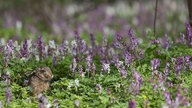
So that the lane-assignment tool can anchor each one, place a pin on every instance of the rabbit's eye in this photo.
(42, 71)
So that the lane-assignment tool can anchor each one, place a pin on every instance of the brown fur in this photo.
(39, 80)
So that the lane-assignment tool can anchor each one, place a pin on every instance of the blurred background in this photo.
(58, 19)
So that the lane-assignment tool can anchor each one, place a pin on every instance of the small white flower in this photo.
(107, 67)
(29, 43)
(52, 44)
(39, 95)
(83, 42)
(118, 85)
(120, 63)
(70, 84)
(8, 73)
(76, 82)
(18, 26)
(83, 74)
(46, 50)
(66, 43)
(48, 105)
(37, 57)
(16, 45)
(24, 59)
(74, 43)
(71, 9)
(76, 102)
(110, 11)
(2, 42)
(165, 106)
(101, 75)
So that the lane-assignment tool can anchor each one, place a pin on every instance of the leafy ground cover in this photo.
(123, 71)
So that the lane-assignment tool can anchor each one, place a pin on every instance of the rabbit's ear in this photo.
(29, 73)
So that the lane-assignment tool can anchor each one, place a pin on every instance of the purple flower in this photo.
(166, 69)
(41, 47)
(10, 43)
(119, 38)
(155, 41)
(55, 103)
(7, 95)
(133, 39)
(183, 40)
(6, 77)
(140, 53)
(128, 59)
(7, 52)
(167, 97)
(82, 46)
(105, 67)
(165, 42)
(92, 40)
(54, 60)
(102, 53)
(154, 64)
(116, 43)
(80, 70)
(93, 68)
(88, 63)
(136, 83)
(74, 48)
(104, 41)
(23, 52)
(131, 104)
(178, 64)
(188, 33)
(98, 87)
(169, 84)
(73, 66)
(137, 77)
(51, 48)
(123, 72)
(187, 58)
(181, 99)
(25, 45)
(154, 86)
(60, 49)
(43, 102)
(41, 105)
(77, 37)
(179, 60)
(187, 62)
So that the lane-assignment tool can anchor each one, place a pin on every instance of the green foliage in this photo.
(114, 92)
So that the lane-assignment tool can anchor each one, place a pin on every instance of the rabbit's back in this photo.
(38, 85)
(39, 81)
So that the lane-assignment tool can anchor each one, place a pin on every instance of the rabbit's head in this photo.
(44, 73)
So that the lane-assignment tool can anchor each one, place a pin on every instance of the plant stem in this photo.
(154, 24)
(189, 2)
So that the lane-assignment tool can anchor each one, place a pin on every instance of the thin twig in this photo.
(189, 2)
(154, 24)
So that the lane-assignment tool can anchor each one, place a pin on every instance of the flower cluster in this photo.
(178, 65)
(43, 102)
(135, 85)
(177, 101)
(131, 104)
(188, 34)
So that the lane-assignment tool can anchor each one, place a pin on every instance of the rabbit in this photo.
(39, 79)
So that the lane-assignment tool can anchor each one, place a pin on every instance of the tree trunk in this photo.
(189, 2)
